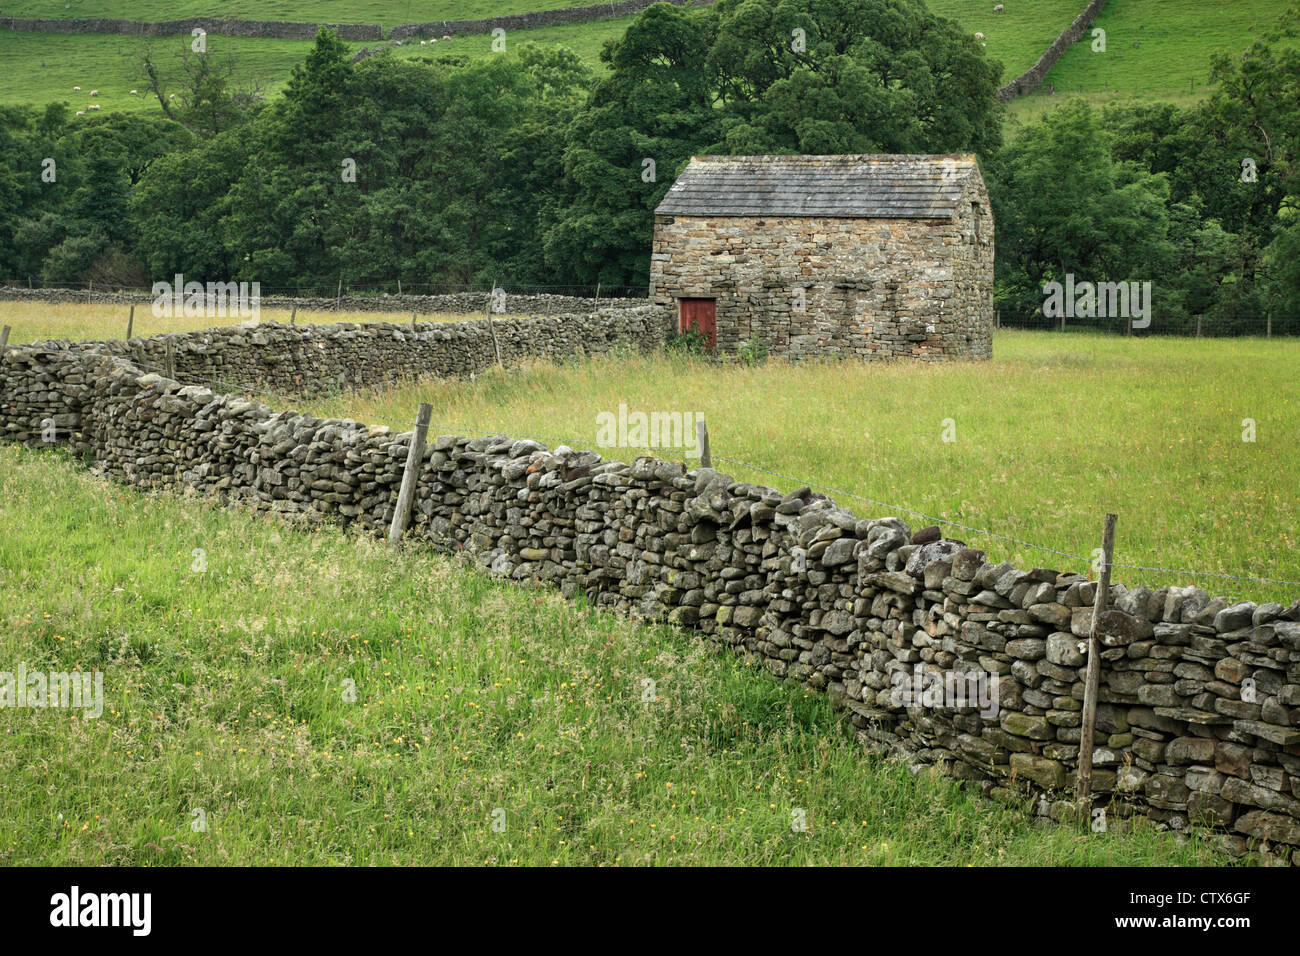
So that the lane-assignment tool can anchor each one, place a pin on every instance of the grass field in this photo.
(386, 13)
(473, 701)
(39, 322)
(1055, 431)
(44, 68)
(1154, 51)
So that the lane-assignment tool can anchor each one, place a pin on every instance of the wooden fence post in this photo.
(130, 323)
(1270, 325)
(492, 329)
(169, 362)
(338, 296)
(1198, 326)
(399, 286)
(4, 336)
(702, 442)
(293, 316)
(412, 321)
(1083, 786)
(411, 474)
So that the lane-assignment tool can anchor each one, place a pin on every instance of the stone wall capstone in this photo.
(1199, 715)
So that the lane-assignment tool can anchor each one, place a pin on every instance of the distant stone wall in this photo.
(276, 29)
(284, 30)
(531, 21)
(1199, 714)
(1032, 78)
(455, 303)
(313, 358)
(872, 288)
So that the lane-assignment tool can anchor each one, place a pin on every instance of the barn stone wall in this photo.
(872, 288)
(1199, 720)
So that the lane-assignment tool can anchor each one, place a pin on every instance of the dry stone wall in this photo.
(1033, 77)
(347, 355)
(533, 20)
(459, 303)
(1199, 720)
(278, 29)
(289, 30)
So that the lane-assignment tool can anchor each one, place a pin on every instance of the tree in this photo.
(851, 76)
(758, 76)
(1063, 206)
(639, 128)
(207, 94)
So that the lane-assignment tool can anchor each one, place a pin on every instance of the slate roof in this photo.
(843, 187)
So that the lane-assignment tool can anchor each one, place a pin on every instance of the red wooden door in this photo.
(703, 315)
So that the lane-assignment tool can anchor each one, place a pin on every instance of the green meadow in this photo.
(1153, 51)
(275, 695)
(1057, 430)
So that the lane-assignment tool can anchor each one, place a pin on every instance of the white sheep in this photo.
(94, 92)
(424, 42)
(171, 96)
(979, 36)
(446, 36)
(76, 89)
(998, 8)
(81, 112)
(94, 106)
(135, 92)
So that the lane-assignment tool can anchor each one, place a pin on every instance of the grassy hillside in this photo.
(1055, 431)
(1017, 37)
(44, 68)
(225, 694)
(1154, 51)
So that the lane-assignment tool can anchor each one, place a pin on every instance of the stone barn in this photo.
(873, 256)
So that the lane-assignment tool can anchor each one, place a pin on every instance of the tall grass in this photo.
(99, 321)
(476, 702)
(1055, 431)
